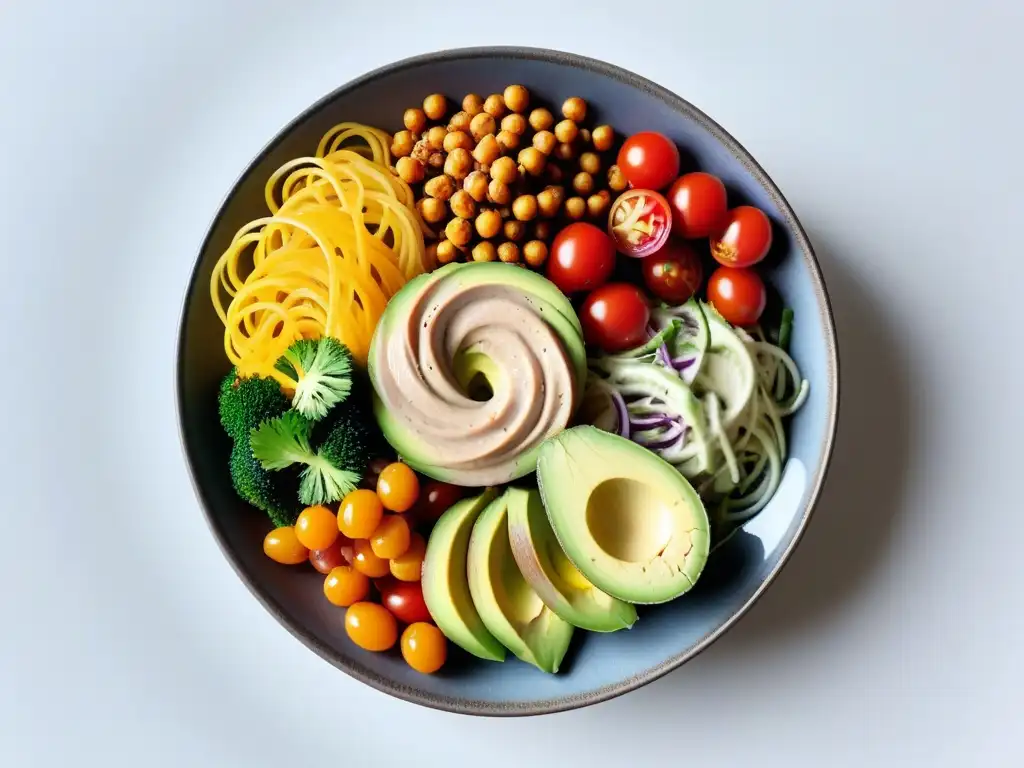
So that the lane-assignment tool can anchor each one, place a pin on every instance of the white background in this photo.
(894, 637)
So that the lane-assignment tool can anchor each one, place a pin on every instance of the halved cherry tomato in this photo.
(615, 316)
(370, 626)
(639, 222)
(743, 237)
(698, 203)
(738, 294)
(435, 499)
(582, 257)
(649, 160)
(424, 647)
(405, 600)
(674, 273)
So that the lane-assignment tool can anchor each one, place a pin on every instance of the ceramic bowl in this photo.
(598, 667)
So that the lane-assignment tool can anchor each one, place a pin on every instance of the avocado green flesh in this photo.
(631, 524)
(536, 551)
(509, 607)
(445, 582)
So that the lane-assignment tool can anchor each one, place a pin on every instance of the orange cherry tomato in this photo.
(316, 527)
(360, 514)
(408, 565)
(327, 559)
(424, 648)
(282, 546)
(365, 561)
(345, 585)
(391, 538)
(370, 626)
(398, 487)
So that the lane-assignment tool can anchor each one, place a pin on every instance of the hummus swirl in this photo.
(461, 324)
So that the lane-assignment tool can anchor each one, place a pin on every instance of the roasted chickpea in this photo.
(575, 108)
(585, 135)
(487, 151)
(507, 140)
(436, 160)
(597, 203)
(459, 164)
(473, 103)
(583, 183)
(542, 230)
(545, 141)
(484, 251)
(494, 105)
(462, 205)
(402, 144)
(524, 207)
(498, 192)
(459, 121)
(514, 123)
(603, 137)
(481, 125)
(459, 231)
(566, 131)
(488, 223)
(441, 187)
(431, 209)
(446, 252)
(517, 98)
(435, 137)
(476, 185)
(535, 253)
(415, 121)
(457, 140)
(508, 252)
(590, 162)
(550, 200)
(435, 105)
(575, 207)
(565, 151)
(409, 170)
(616, 179)
(532, 159)
(554, 173)
(504, 169)
(541, 119)
(514, 230)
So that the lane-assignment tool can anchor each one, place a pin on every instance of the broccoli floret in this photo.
(322, 370)
(276, 493)
(246, 402)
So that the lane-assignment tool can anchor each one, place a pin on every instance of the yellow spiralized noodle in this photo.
(342, 238)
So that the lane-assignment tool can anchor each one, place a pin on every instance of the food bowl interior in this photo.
(597, 666)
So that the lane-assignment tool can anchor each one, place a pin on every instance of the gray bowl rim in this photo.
(562, 703)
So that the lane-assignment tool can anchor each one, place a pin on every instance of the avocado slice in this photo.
(444, 581)
(508, 606)
(626, 518)
(545, 567)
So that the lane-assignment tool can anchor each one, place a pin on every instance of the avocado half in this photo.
(625, 517)
(556, 580)
(509, 607)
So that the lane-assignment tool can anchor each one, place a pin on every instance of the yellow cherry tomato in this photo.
(317, 527)
(407, 566)
(366, 562)
(391, 538)
(424, 648)
(370, 626)
(282, 546)
(360, 514)
(345, 585)
(398, 487)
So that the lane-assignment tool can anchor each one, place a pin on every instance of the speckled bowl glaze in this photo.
(598, 667)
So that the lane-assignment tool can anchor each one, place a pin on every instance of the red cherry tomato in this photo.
(649, 160)
(435, 498)
(339, 553)
(405, 601)
(738, 294)
(582, 257)
(639, 222)
(615, 316)
(743, 238)
(674, 273)
(698, 203)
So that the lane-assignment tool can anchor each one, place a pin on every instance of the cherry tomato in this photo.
(329, 558)
(424, 648)
(360, 514)
(370, 626)
(743, 238)
(674, 273)
(345, 585)
(649, 160)
(582, 257)
(398, 487)
(405, 600)
(316, 527)
(615, 317)
(435, 499)
(738, 294)
(698, 203)
(639, 222)
(282, 546)
(408, 565)
(365, 561)
(391, 538)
